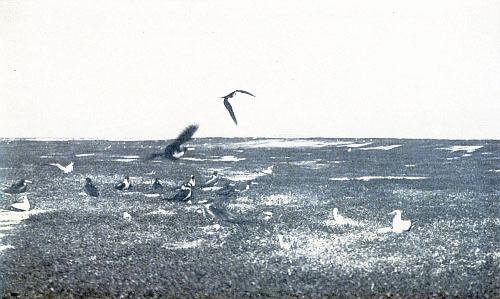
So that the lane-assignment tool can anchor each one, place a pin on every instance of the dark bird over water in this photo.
(90, 189)
(229, 107)
(18, 187)
(173, 151)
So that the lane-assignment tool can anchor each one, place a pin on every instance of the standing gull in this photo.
(173, 151)
(398, 225)
(228, 105)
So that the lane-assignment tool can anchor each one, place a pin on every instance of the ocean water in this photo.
(228, 244)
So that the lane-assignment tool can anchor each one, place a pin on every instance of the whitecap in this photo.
(467, 148)
(124, 160)
(278, 200)
(410, 165)
(368, 178)
(355, 145)
(85, 155)
(494, 170)
(229, 159)
(194, 159)
(183, 245)
(161, 212)
(151, 195)
(384, 148)
(3, 247)
(286, 143)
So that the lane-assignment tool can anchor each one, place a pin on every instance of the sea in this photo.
(266, 228)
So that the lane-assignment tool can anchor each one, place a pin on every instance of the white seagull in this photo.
(283, 245)
(340, 220)
(398, 225)
(66, 169)
(22, 206)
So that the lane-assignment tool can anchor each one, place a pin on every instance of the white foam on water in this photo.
(130, 157)
(183, 245)
(228, 159)
(161, 212)
(278, 200)
(410, 165)
(466, 155)
(383, 148)
(285, 143)
(369, 178)
(124, 160)
(467, 148)
(85, 155)
(355, 145)
(339, 179)
(487, 153)
(454, 158)
(241, 206)
(494, 170)
(5, 228)
(3, 247)
(151, 195)
(194, 159)
(214, 188)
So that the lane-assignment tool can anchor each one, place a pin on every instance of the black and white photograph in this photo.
(249, 149)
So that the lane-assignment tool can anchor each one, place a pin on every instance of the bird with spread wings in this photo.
(174, 151)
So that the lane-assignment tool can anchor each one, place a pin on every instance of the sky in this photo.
(342, 69)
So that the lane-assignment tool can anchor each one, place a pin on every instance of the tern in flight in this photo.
(173, 151)
(228, 105)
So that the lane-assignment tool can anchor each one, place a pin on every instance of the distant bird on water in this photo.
(66, 169)
(228, 105)
(90, 189)
(18, 187)
(173, 151)
(157, 185)
(124, 185)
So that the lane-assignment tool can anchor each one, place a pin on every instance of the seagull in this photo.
(127, 216)
(184, 194)
(211, 182)
(398, 225)
(90, 189)
(124, 185)
(22, 206)
(283, 245)
(65, 169)
(340, 220)
(157, 185)
(228, 105)
(18, 187)
(173, 151)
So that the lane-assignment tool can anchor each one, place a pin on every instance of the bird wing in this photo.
(230, 109)
(230, 95)
(187, 134)
(184, 136)
(242, 91)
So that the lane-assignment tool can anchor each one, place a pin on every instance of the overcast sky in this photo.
(146, 69)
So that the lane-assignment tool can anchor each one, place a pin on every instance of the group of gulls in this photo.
(174, 151)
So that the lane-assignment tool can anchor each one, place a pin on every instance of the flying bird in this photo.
(228, 105)
(90, 189)
(173, 151)
(18, 187)
(66, 169)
